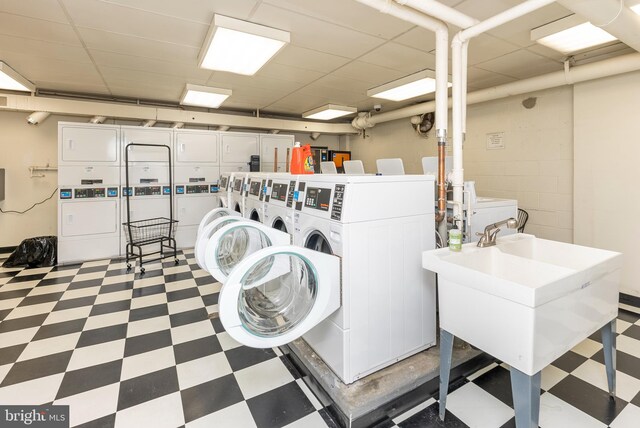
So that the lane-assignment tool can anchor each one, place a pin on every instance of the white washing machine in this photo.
(208, 226)
(236, 191)
(486, 211)
(352, 285)
(223, 189)
(196, 174)
(278, 208)
(254, 196)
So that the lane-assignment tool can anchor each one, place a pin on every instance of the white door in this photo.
(232, 243)
(89, 145)
(238, 148)
(205, 173)
(210, 224)
(93, 217)
(196, 147)
(275, 295)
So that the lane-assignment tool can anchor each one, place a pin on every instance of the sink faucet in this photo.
(488, 238)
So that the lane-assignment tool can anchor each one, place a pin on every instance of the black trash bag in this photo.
(34, 252)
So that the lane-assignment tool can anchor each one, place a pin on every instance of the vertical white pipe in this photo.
(465, 57)
(458, 172)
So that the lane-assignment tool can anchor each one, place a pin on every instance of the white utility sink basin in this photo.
(526, 300)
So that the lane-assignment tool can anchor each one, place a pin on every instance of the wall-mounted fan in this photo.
(423, 123)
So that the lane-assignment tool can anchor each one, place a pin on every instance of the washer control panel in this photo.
(317, 198)
(338, 198)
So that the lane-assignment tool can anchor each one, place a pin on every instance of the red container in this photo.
(301, 159)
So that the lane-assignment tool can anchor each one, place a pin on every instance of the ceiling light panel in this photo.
(240, 47)
(411, 86)
(204, 96)
(13, 81)
(329, 111)
(570, 35)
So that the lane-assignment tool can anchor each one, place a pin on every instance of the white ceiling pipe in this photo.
(148, 123)
(442, 58)
(97, 119)
(581, 73)
(610, 15)
(440, 11)
(459, 52)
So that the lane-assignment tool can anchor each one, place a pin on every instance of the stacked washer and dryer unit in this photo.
(352, 285)
(89, 192)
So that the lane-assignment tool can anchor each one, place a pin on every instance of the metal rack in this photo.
(157, 230)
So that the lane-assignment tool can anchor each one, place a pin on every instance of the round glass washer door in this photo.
(237, 243)
(277, 293)
(203, 237)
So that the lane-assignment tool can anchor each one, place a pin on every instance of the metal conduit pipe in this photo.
(610, 15)
(442, 51)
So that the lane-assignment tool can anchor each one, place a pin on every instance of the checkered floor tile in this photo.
(127, 351)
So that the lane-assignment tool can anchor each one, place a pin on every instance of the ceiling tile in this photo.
(400, 57)
(289, 73)
(37, 29)
(519, 30)
(49, 10)
(120, 77)
(486, 47)
(38, 69)
(349, 14)
(418, 38)
(337, 96)
(316, 34)
(185, 69)
(136, 46)
(43, 49)
(482, 10)
(344, 83)
(114, 18)
(370, 73)
(520, 64)
(160, 93)
(192, 10)
(309, 59)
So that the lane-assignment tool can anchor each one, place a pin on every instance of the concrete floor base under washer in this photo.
(375, 398)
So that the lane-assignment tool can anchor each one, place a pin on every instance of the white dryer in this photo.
(352, 286)
(278, 208)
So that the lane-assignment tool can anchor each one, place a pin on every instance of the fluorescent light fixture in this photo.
(204, 96)
(414, 85)
(570, 34)
(328, 112)
(636, 8)
(13, 81)
(239, 46)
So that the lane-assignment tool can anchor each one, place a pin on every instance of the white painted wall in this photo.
(607, 152)
(535, 167)
(21, 146)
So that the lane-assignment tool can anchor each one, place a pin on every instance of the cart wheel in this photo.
(141, 271)
(128, 266)
(177, 261)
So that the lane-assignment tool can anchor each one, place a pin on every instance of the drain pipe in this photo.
(459, 47)
(610, 15)
(440, 11)
(441, 103)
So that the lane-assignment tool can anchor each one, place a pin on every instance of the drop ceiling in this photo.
(148, 49)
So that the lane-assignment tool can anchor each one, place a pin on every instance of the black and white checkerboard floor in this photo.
(127, 351)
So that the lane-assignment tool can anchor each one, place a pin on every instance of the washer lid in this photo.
(233, 242)
(277, 294)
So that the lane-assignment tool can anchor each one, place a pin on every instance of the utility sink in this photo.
(525, 300)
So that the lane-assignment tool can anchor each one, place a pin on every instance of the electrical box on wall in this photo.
(1, 184)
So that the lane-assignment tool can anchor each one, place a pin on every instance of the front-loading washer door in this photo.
(214, 214)
(276, 295)
(203, 237)
(232, 243)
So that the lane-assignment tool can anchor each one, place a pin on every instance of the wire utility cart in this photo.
(144, 233)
